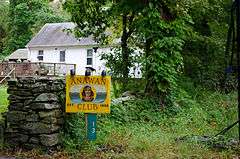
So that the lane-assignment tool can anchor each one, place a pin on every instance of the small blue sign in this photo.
(91, 126)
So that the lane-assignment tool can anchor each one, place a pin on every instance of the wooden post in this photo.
(90, 118)
(54, 69)
(74, 67)
(14, 73)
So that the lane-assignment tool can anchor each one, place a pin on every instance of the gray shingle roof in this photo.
(18, 54)
(55, 34)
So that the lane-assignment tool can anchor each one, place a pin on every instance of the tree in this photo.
(3, 24)
(26, 18)
(102, 17)
(148, 23)
(204, 48)
(163, 28)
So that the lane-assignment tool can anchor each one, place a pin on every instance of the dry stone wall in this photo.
(35, 116)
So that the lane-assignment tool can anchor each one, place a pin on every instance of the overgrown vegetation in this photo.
(141, 128)
(20, 20)
(3, 100)
(174, 38)
(180, 46)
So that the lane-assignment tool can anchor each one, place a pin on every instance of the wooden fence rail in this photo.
(35, 68)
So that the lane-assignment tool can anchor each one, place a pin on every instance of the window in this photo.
(89, 56)
(62, 56)
(40, 55)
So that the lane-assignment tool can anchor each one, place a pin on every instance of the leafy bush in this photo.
(74, 131)
(195, 111)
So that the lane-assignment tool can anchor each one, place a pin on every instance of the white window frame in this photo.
(89, 56)
(64, 56)
(40, 56)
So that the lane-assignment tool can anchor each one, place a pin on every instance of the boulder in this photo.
(39, 128)
(32, 117)
(16, 98)
(14, 116)
(16, 137)
(26, 80)
(34, 140)
(49, 120)
(15, 106)
(12, 82)
(30, 146)
(27, 102)
(47, 97)
(49, 140)
(53, 113)
(122, 99)
(43, 88)
(44, 106)
(11, 130)
(57, 87)
(20, 92)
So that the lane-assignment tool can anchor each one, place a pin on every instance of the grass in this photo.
(146, 141)
(205, 113)
(134, 130)
(3, 99)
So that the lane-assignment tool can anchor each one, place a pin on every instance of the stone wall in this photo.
(35, 112)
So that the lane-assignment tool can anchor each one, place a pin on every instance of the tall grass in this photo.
(139, 129)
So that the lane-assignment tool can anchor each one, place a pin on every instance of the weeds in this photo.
(3, 100)
(141, 129)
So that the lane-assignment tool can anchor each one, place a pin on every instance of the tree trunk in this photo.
(125, 52)
(151, 84)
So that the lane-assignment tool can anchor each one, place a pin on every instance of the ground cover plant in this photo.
(141, 129)
(3, 99)
(179, 101)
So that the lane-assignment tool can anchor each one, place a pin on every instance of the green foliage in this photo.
(200, 113)
(163, 57)
(74, 132)
(140, 127)
(47, 14)
(139, 21)
(88, 13)
(3, 100)
(108, 21)
(204, 49)
(26, 18)
(3, 25)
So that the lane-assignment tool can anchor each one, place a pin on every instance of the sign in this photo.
(88, 94)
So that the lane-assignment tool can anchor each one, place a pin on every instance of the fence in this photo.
(35, 68)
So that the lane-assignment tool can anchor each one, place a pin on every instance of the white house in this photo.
(54, 44)
(20, 54)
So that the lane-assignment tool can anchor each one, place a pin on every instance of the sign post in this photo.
(91, 126)
(90, 119)
(90, 95)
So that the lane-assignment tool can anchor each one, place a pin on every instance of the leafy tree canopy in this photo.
(26, 18)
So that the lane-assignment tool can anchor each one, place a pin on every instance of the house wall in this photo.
(73, 55)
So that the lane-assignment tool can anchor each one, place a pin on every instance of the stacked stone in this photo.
(35, 115)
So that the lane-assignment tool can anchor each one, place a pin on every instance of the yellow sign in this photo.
(88, 94)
